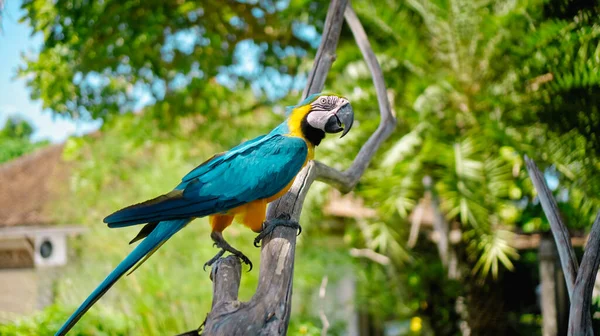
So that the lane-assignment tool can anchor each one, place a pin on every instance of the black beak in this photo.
(345, 117)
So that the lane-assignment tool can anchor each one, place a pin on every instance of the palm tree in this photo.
(471, 87)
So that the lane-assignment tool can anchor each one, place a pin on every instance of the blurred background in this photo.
(108, 103)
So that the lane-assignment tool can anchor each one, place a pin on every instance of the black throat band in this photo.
(313, 135)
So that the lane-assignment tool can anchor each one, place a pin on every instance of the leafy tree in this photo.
(101, 58)
(15, 139)
(469, 82)
(561, 73)
(17, 128)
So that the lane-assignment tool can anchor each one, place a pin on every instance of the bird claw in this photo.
(241, 256)
(271, 224)
(245, 260)
(213, 259)
(225, 247)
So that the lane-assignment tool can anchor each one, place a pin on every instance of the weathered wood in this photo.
(326, 52)
(580, 281)
(547, 256)
(347, 180)
(226, 289)
(568, 260)
(268, 312)
(580, 322)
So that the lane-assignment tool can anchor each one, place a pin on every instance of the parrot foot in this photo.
(271, 224)
(213, 259)
(220, 242)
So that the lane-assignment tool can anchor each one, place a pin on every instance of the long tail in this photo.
(162, 232)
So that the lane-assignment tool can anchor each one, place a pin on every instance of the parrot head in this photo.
(322, 113)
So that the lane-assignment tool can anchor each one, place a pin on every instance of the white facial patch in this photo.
(322, 109)
(318, 119)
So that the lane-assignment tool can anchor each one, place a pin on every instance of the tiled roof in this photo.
(29, 184)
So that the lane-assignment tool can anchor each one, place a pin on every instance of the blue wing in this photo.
(218, 158)
(257, 169)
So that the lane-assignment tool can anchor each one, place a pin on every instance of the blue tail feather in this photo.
(178, 208)
(162, 232)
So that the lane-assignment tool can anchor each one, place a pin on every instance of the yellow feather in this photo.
(295, 126)
(295, 120)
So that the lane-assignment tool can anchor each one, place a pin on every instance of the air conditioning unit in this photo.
(46, 246)
(50, 250)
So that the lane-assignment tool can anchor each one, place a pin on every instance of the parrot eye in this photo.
(323, 100)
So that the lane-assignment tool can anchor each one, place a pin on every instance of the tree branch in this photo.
(225, 290)
(580, 322)
(268, 312)
(580, 281)
(370, 254)
(326, 52)
(568, 260)
(347, 180)
(324, 320)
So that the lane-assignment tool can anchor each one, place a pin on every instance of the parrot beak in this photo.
(343, 117)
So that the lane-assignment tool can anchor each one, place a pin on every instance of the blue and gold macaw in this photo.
(237, 184)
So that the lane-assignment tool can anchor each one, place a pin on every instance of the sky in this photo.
(15, 39)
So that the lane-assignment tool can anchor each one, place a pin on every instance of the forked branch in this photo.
(268, 312)
(347, 180)
(568, 260)
(580, 280)
(580, 322)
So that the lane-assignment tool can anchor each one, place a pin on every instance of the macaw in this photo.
(237, 184)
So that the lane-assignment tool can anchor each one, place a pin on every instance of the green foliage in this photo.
(15, 139)
(469, 120)
(16, 128)
(104, 321)
(313, 326)
(562, 69)
(475, 86)
(98, 59)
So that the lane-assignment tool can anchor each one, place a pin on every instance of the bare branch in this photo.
(326, 52)
(576, 283)
(568, 260)
(579, 319)
(388, 121)
(335, 178)
(371, 255)
(324, 320)
(268, 312)
(225, 284)
(345, 181)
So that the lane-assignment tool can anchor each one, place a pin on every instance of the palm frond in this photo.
(405, 147)
(494, 250)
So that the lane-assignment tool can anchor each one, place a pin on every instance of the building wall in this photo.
(18, 293)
